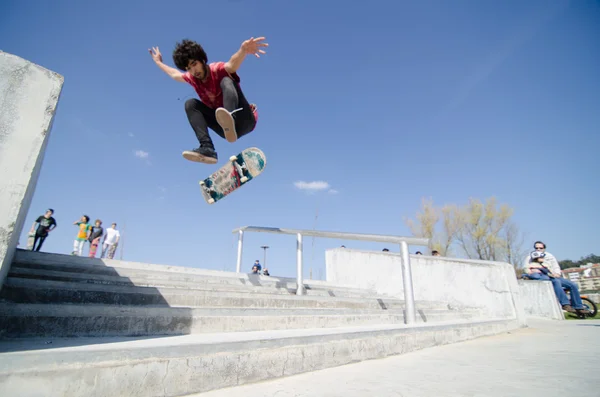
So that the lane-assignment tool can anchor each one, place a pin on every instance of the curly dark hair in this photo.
(188, 50)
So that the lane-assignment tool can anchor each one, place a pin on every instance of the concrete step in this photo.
(20, 290)
(46, 291)
(49, 320)
(182, 365)
(177, 281)
(139, 271)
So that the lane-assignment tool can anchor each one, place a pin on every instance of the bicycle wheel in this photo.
(591, 306)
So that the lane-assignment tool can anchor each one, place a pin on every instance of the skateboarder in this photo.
(223, 108)
(46, 223)
(95, 236)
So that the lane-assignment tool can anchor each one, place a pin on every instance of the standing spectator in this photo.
(95, 236)
(257, 265)
(435, 253)
(46, 223)
(111, 239)
(82, 235)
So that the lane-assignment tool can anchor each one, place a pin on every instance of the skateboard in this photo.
(240, 170)
(30, 241)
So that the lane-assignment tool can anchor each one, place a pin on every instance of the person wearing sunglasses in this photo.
(542, 265)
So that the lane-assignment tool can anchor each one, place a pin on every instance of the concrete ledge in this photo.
(29, 97)
(539, 300)
(489, 286)
(192, 364)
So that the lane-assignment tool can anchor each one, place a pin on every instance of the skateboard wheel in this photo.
(244, 179)
(232, 158)
(211, 201)
(201, 183)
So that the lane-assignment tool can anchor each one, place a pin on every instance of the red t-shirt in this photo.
(210, 91)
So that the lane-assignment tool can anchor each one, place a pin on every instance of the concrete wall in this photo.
(489, 286)
(539, 300)
(29, 96)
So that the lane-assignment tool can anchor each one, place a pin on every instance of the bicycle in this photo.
(587, 304)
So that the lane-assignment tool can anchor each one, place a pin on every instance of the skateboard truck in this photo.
(207, 192)
(240, 169)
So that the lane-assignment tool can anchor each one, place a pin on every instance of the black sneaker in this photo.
(201, 155)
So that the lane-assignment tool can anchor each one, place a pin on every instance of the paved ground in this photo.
(550, 358)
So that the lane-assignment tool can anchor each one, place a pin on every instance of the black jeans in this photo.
(37, 238)
(201, 117)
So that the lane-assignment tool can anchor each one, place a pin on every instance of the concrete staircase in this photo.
(88, 327)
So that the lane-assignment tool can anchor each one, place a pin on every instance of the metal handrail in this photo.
(404, 242)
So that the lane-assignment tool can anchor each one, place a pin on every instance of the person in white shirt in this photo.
(542, 265)
(111, 239)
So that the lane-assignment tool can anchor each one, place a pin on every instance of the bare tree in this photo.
(426, 221)
(481, 230)
(427, 218)
(514, 248)
(451, 225)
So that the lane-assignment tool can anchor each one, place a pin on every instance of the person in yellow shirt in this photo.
(82, 235)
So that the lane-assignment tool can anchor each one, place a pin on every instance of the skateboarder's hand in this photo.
(156, 55)
(252, 46)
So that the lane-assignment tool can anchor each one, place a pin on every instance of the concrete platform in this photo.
(548, 359)
(89, 327)
(174, 366)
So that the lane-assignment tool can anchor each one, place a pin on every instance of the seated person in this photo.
(536, 269)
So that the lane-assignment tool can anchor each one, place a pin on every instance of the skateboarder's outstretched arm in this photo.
(172, 72)
(250, 46)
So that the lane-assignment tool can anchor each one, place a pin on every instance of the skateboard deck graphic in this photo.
(94, 247)
(238, 171)
(30, 241)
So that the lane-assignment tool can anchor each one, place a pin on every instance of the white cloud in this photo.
(130, 134)
(141, 154)
(312, 186)
(332, 191)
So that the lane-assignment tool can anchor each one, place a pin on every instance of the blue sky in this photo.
(387, 104)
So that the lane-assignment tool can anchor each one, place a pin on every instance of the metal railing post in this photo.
(299, 276)
(238, 266)
(409, 297)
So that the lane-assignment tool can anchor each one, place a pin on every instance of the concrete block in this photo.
(489, 286)
(539, 300)
(29, 96)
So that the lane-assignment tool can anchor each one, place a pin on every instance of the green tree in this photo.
(584, 260)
